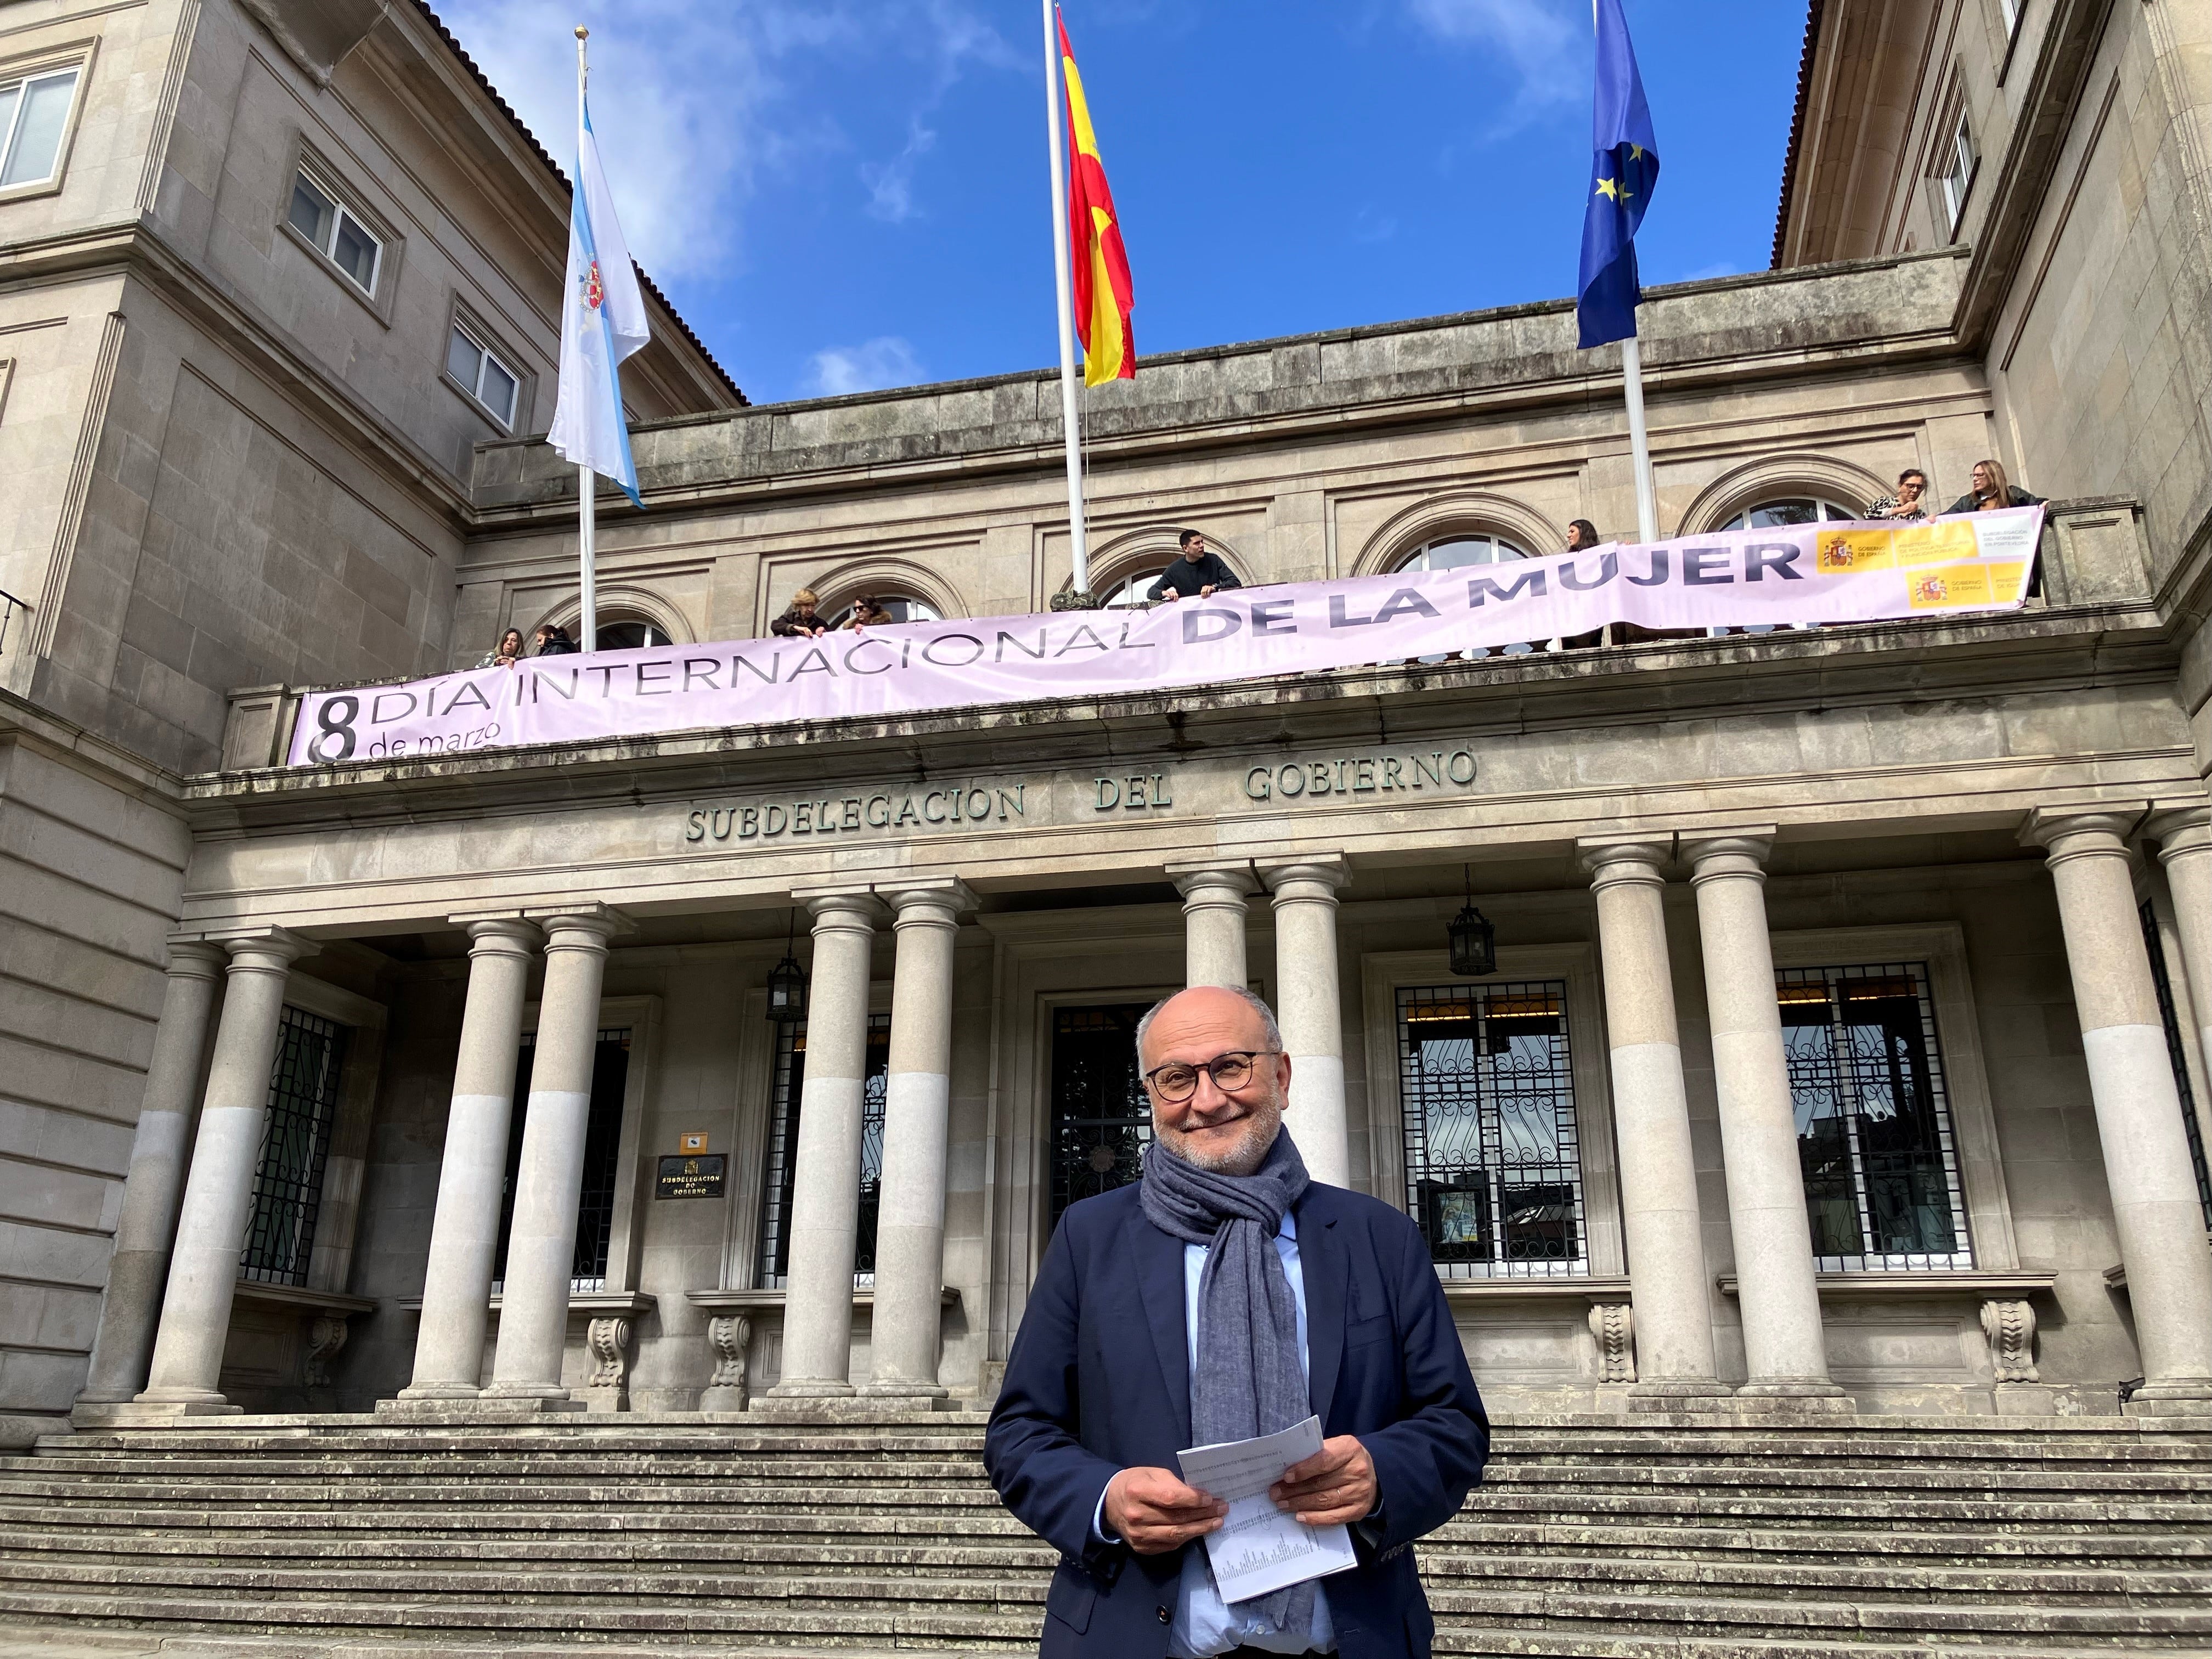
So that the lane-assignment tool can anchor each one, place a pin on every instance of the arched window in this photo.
(1135, 588)
(631, 633)
(1458, 551)
(1779, 514)
(1451, 552)
(904, 608)
(1790, 510)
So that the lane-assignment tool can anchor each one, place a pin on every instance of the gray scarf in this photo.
(1250, 1380)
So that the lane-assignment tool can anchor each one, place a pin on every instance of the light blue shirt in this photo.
(1203, 1623)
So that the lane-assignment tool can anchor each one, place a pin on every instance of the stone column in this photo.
(825, 1200)
(128, 1310)
(1307, 1004)
(541, 1241)
(2184, 834)
(465, 1232)
(1213, 897)
(1669, 1287)
(911, 1221)
(1785, 1349)
(218, 1204)
(2154, 1206)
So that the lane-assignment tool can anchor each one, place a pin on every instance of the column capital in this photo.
(851, 905)
(588, 916)
(504, 936)
(928, 901)
(1717, 853)
(1608, 860)
(1329, 870)
(262, 950)
(2093, 828)
(1211, 875)
(196, 958)
(2179, 828)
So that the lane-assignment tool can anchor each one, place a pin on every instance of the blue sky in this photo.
(847, 194)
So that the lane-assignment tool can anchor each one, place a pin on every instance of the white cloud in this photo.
(683, 100)
(1541, 42)
(951, 40)
(890, 184)
(886, 360)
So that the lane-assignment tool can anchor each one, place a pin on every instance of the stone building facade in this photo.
(1846, 1043)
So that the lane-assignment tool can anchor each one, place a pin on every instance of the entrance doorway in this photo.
(1101, 1120)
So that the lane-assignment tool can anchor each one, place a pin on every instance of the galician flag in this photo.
(1622, 177)
(602, 322)
(1104, 294)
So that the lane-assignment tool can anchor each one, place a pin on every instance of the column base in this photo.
(830, 1410)
(1681, 1394)
(812, 1389)
(481, 1409)
(440, 1391)
(523, 1391)
(893, 1388)
(2178, 1396)
(143, 1413)
(1810, 1395)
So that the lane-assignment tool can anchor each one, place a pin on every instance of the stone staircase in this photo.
(1874, 1538)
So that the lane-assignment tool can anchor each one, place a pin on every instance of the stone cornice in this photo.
(24, 722)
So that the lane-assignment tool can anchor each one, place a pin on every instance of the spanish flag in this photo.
(1103, 294)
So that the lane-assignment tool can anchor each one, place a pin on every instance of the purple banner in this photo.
(1829, 573)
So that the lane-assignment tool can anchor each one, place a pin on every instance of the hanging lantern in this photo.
(787, 983)
(1473, 940)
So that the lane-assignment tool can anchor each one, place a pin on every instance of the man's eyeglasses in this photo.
(1177, 1081)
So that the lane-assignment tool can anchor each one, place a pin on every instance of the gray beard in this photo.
(1241, 1160)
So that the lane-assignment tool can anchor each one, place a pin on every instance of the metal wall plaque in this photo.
(697, 1176)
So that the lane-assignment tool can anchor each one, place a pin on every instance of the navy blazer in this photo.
(1099, 1380)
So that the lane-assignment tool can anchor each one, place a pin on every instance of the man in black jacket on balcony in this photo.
(1195, 574)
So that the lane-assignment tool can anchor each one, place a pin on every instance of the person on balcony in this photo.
(1195, 574)
(553, 641)
(506, 652)
(1910, 501)
(868, 613)
(801, 620)
(1993, 491)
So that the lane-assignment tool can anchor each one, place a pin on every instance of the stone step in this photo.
(464, 1473)
(848, 1610)
(970, 1564)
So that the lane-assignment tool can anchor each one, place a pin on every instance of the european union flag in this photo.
(1622, 180)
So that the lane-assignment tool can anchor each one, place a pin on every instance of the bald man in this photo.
(1227, 1295)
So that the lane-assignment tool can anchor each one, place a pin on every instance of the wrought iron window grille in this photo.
(595, 1199)
(1102, 1119)
(295, 1144)
(1494, 1157)
(788, 1086)
(1875, 1141)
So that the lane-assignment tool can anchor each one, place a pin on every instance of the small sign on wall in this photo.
(691, 1177)
(695, 1141)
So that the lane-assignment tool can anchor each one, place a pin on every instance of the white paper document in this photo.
(1259, 1548)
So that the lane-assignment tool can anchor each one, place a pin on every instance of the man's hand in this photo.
(1152, 1512)
(1334, 1487)
(1170, 593)
(1205, 593)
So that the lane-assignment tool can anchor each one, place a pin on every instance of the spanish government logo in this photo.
(595, 291)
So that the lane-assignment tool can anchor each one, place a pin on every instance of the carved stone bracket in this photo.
(730, 1335)
(1614, 1327)
(609, 1342)
(326, 1334)
(2010, 1326)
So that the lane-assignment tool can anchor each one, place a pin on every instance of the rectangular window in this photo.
(1494, 1163)
(1958, 174)
(783, 1151)
(296, 1142)
(481, 373)
(34, 115)
(337, 232)
(1102, 1118)
(1874, 1120)
(595, 1200)
(2171, 1019)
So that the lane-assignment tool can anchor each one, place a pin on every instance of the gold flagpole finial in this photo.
(582, 34)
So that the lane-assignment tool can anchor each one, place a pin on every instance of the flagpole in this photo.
(588, 627)
(1647, 499)
(1064, 279)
